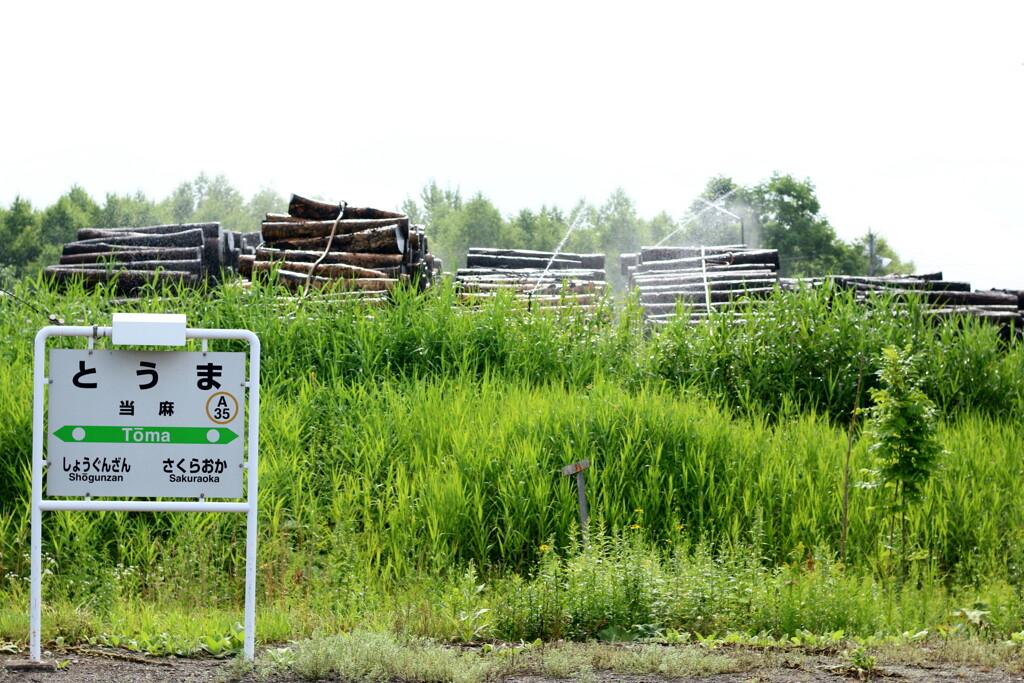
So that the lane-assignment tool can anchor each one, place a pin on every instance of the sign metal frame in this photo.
(40, 382)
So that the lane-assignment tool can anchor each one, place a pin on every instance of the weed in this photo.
(862, 661)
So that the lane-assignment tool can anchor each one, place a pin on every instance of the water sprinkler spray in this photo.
(692, 216)
(554, 255)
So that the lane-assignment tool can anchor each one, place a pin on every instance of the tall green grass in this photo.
(809, 349)
(419, 437)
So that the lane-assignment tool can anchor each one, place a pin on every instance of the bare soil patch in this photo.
(119, 666)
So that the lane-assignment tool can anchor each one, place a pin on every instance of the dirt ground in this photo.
(118, 666)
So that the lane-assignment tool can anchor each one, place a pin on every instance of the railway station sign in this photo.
(122, 426)
(145, 423)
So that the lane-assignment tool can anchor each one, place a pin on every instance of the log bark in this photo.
(537, 299)
(488, 261)
(720, 286)
(659, 279)
(524, 277)
(187, 238)
(132, 255)
(209, 230)
(699, 298)
(365, 212)
(595, 261)
(946, 298)
(627, 261)
(245, 263)
(277, 231)
(353, 259)
(298, 281)
(388, 240)
(188, 266)
(301, 207)
(249, 240)
(648, 254)
(662, 309)
(532, 273)
(526, 287)
(768, 258)
(331, 270)
(415, 244)
(716, 276)
(902, 283)
(213, 256)
(1019, 293)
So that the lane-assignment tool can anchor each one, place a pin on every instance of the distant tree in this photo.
(20, 236)
(181, 205)
(477, 224)
(520, 228)
(653, 230)
(263, 202)
(435, 205)
(583, 239)
(410, 208)
(781, 213)
(439, 204)
(617, 225)
(707, 225)
(788, 216)
(61, 221)
(216, 200)
(539, 231)
(887, 260)
(129, 211)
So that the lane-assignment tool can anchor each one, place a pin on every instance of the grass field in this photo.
(410, 478)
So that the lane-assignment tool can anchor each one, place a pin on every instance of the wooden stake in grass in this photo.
(577, 469)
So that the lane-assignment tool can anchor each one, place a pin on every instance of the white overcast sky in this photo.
(906, 116)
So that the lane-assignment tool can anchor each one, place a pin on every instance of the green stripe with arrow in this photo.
(145, 435)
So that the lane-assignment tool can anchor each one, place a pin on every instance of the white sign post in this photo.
(145, 424)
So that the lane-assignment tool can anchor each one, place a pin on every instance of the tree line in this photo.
(31, 238)
(781, 212)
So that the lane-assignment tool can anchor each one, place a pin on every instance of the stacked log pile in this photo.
(188, 254)
(543, 278)
(360, 251)
(238, 244)
(708, 278)
(716, 278)
(944, 298)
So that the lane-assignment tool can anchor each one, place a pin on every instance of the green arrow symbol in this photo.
(145, 435)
